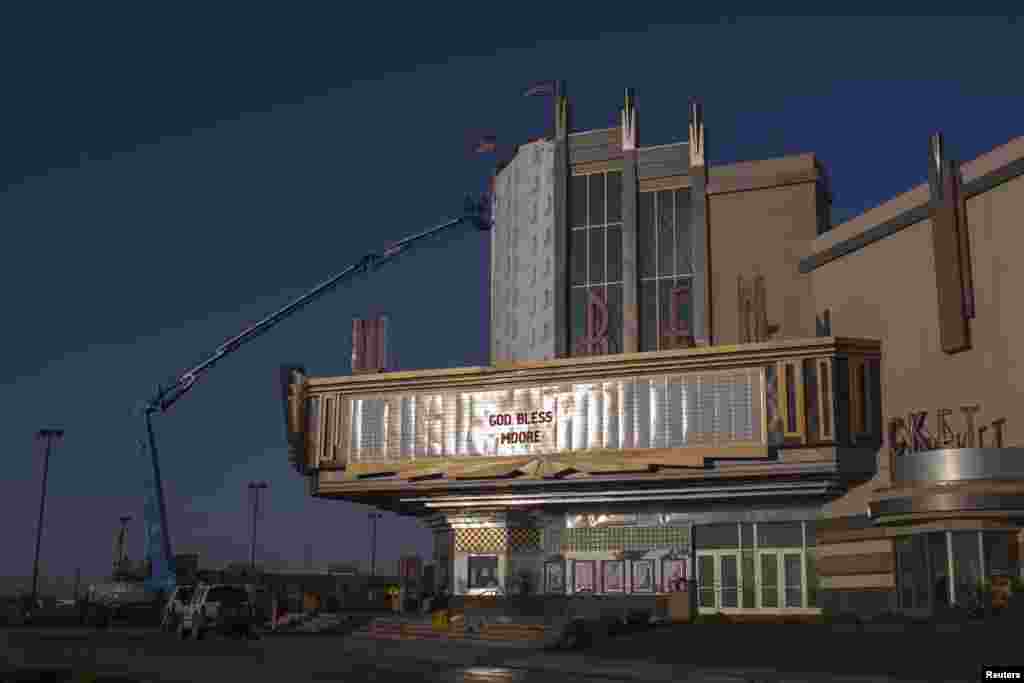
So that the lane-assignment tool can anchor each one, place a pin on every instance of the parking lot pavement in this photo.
(148, 655)
(802, 651)
(153, 656)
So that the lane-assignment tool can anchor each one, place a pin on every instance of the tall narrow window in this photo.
(666, 269)
(595, 258)
(578, 202)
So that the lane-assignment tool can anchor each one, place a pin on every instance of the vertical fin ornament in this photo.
(951, 246)
(703, 323)
(293, 398)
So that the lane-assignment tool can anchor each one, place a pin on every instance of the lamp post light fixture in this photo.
(49, 435)
(374, 516)
(254, 493)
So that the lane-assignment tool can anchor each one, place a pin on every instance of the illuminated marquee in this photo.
(673, 411)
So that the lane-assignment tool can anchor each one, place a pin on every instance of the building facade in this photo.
(696, 386)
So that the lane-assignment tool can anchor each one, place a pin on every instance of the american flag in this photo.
(542, 88)
(487, 143)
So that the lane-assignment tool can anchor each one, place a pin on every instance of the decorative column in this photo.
(630, 283)
(561, 203)
(701, 299)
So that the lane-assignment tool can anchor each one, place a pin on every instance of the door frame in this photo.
(780, 584)
(716, 585)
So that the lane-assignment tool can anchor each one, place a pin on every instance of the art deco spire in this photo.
(561, 110)
(696, 134)
(629, 122)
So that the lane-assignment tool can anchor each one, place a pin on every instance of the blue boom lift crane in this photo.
(476, 213)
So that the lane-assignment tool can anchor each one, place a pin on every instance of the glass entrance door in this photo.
(706, 581)
(718, 579)
(780, 579)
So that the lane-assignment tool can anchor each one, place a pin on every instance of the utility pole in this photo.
(254, 493)
(49, 435)
(374, 516)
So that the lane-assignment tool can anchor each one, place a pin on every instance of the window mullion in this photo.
(675, 234)
(657, 261)
(606, 262)
(587, 231)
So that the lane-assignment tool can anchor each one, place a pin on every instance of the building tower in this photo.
(600, 246)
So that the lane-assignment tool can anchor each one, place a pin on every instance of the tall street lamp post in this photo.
(374, 516)
(122, 544)
(254, 493)
(49, 435)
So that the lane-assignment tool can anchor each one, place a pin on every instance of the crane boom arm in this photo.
(158, 547)
(168, 396)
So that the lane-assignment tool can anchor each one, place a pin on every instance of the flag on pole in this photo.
(542, 88)
(487, 143)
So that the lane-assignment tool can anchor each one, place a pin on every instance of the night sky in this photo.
(166, 180)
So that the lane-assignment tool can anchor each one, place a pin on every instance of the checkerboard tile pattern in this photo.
(494, 540)
(485, 540)
(624, 538)
(523, 539)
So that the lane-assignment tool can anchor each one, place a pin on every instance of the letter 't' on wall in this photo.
(951, 245)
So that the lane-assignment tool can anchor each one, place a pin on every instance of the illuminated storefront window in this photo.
(764, 565)
(483, 571)
(935, 569)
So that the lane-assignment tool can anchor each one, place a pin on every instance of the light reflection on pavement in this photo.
(482, 673)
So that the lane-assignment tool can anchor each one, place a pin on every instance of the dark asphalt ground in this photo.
(138, 655)
(707, 652)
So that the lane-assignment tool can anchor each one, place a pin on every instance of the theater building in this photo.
(696, 385)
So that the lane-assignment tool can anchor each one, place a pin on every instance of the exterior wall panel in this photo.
(774, 226)
(524, 266)
(664, 160)
(594, 145)
(916, 374)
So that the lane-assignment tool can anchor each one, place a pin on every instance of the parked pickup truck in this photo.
(174, 610)
(218, 608)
